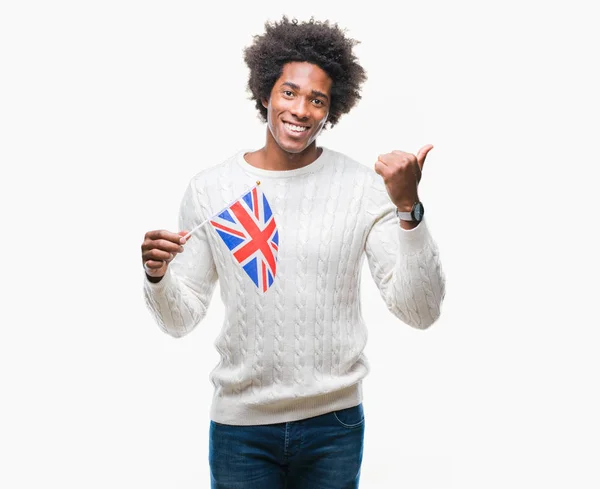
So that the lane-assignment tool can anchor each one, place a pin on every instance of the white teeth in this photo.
(295, 128)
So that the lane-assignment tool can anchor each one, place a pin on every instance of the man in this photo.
(287, 406)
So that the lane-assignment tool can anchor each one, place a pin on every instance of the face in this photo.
(298, 106)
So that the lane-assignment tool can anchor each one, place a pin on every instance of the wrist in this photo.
(154, 280)
(408, 224)
(404, 207)
(406, 203)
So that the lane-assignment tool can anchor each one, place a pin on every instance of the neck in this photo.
(272, 157)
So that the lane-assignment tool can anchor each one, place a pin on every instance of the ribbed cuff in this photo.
(414, 240)
(159, 286)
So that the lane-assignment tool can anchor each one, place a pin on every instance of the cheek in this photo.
(322, 122)
(274, 108)
(269, 113)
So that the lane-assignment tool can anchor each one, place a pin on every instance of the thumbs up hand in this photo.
(401, 174)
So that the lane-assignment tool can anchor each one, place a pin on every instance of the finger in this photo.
(153, 264)
(164, 234)
(422, 154)
(156, 255)
(399, 157)
(183, 233)
(386, 159)
(380, 168)
(164, 245)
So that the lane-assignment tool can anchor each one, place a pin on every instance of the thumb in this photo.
(422, 154)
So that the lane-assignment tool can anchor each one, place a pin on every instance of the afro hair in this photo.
(316, 42)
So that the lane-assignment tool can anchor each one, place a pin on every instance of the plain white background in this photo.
(107, 109)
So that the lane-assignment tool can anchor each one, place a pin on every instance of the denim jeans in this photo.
(323, 452)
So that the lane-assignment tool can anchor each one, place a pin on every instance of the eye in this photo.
(318, 102)
(288, 93)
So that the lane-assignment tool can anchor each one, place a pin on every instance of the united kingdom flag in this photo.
(248, 229)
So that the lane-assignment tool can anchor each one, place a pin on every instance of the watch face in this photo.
(418, 211)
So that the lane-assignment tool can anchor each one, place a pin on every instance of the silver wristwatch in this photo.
(416, 213)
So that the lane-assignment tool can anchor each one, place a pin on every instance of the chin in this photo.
(291, 148)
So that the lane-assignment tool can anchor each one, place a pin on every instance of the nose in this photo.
(300, 108)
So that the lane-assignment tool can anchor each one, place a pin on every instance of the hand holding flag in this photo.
(158, 250)
(246, 226)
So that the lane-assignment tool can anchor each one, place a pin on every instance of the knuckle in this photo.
(157, 254)
(160, 235)
(405, 165)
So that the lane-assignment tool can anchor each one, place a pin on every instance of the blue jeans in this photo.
(323, 452)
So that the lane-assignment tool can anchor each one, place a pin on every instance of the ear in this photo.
(265, 103)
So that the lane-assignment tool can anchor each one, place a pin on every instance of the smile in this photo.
(294, 128)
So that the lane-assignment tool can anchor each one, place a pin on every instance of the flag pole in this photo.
(226, 207)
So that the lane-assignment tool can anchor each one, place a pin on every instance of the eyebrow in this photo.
(314, 93)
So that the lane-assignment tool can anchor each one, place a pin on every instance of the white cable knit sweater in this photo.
(296, 351)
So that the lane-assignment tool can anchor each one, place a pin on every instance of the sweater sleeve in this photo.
(404, 264)
(180, 300)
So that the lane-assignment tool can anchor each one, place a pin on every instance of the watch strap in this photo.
(405, 216)
(415, 214)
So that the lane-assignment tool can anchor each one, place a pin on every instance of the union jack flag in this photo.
(248, 229)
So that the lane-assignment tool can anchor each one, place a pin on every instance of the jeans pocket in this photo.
(350, 417)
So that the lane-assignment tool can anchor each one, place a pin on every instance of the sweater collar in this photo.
(310, 168)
